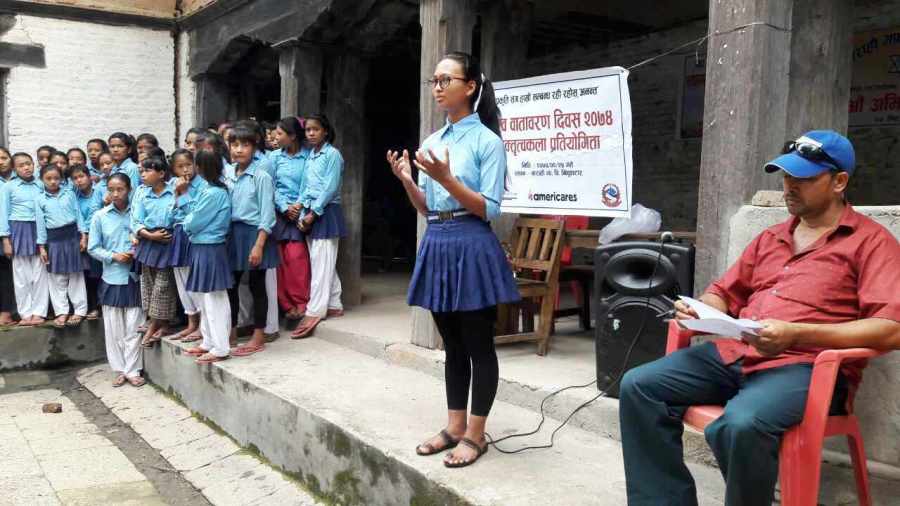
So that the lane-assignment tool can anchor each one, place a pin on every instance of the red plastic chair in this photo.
(801, 447)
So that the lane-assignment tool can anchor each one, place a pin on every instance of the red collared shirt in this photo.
(850, 274)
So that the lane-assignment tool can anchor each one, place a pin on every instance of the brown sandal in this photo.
(473, 445)
(119, 381)
(430, 449)
(137, 381)
(209, 358)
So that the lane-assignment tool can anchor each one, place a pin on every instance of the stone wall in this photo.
(98, 79)
(878, 400)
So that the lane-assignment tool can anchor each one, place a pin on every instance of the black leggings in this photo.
(257, 283)
(92, 285)
(469, 343)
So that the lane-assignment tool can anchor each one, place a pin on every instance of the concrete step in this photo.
(346, 424)
(46, 347)
(527, 379)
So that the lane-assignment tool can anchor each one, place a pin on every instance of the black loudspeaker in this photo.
(634, 286)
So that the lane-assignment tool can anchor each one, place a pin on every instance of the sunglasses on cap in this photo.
(810, 152)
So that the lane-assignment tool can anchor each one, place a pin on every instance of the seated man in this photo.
(826, 278)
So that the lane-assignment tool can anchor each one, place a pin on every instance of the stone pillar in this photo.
(765, 83)
(505, 30)
(446, 26)
(347, 76)
(300, 67)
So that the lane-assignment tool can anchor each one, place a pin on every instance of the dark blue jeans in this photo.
(759, 408)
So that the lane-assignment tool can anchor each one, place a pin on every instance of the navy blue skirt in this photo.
(154, 254)
(24, 238)
(286, 230)
(181, 248)
(210, 270)
(64, 250)
(119, 295)
(93, 268)
(330, 224)
(461, 267)
(241, 241)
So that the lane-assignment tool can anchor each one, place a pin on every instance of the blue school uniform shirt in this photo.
(12, 176)
(152, 211)
(17, 202)
(93, 171)
(56, 210)
(287, 174)
(193, 189)
(477, 160)
(110, 233)
(253, 196)
(322, 179)
(88, 205)
(130, 169)
(208, 218)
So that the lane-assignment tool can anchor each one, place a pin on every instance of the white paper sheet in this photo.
(713, 321)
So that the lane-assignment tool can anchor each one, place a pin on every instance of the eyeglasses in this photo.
(443, 81)
(810, 152)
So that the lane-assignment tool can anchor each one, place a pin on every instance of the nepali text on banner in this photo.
(568, 143)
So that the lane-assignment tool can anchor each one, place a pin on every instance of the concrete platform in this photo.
(346, 424)
(46, 347)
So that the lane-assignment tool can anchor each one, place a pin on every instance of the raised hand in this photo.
(400, 165)
(437, 169)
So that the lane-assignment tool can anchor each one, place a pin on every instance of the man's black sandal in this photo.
(449, 443)
(473, 445)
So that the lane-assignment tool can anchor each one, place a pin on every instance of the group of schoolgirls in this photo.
(222, 227)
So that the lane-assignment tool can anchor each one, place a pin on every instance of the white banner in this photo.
(568, 143)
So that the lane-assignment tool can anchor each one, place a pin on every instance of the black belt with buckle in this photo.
(447, 215)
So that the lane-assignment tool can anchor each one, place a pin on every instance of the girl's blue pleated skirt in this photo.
(24, 238)
(181, 248)
(330, 224)
(241, 241)
(92, 267)
(119, 295)
(154, 254)
(461, 267)
(64, 250)
(210, 269)
(286, 230)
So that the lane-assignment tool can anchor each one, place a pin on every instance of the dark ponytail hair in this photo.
(326, 125)
(292, 126)
(209, 167)
(487, 110)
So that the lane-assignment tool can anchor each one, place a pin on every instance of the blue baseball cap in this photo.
(813, 153)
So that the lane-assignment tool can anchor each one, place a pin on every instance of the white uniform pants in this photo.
(31, 286)
(187, 298)
(245, 318)
(123, 341)
(215, 321)
(325, 286)
(66, 287)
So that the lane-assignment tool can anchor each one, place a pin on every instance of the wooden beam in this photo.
(347, 77)
(17, 55)
(744, 117)
(300, 67)
(72, 13)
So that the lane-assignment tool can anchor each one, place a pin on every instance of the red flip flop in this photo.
(208, 358)
(245, 351)
(196, 350)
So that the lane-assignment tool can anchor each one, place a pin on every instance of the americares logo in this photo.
(553, 197)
